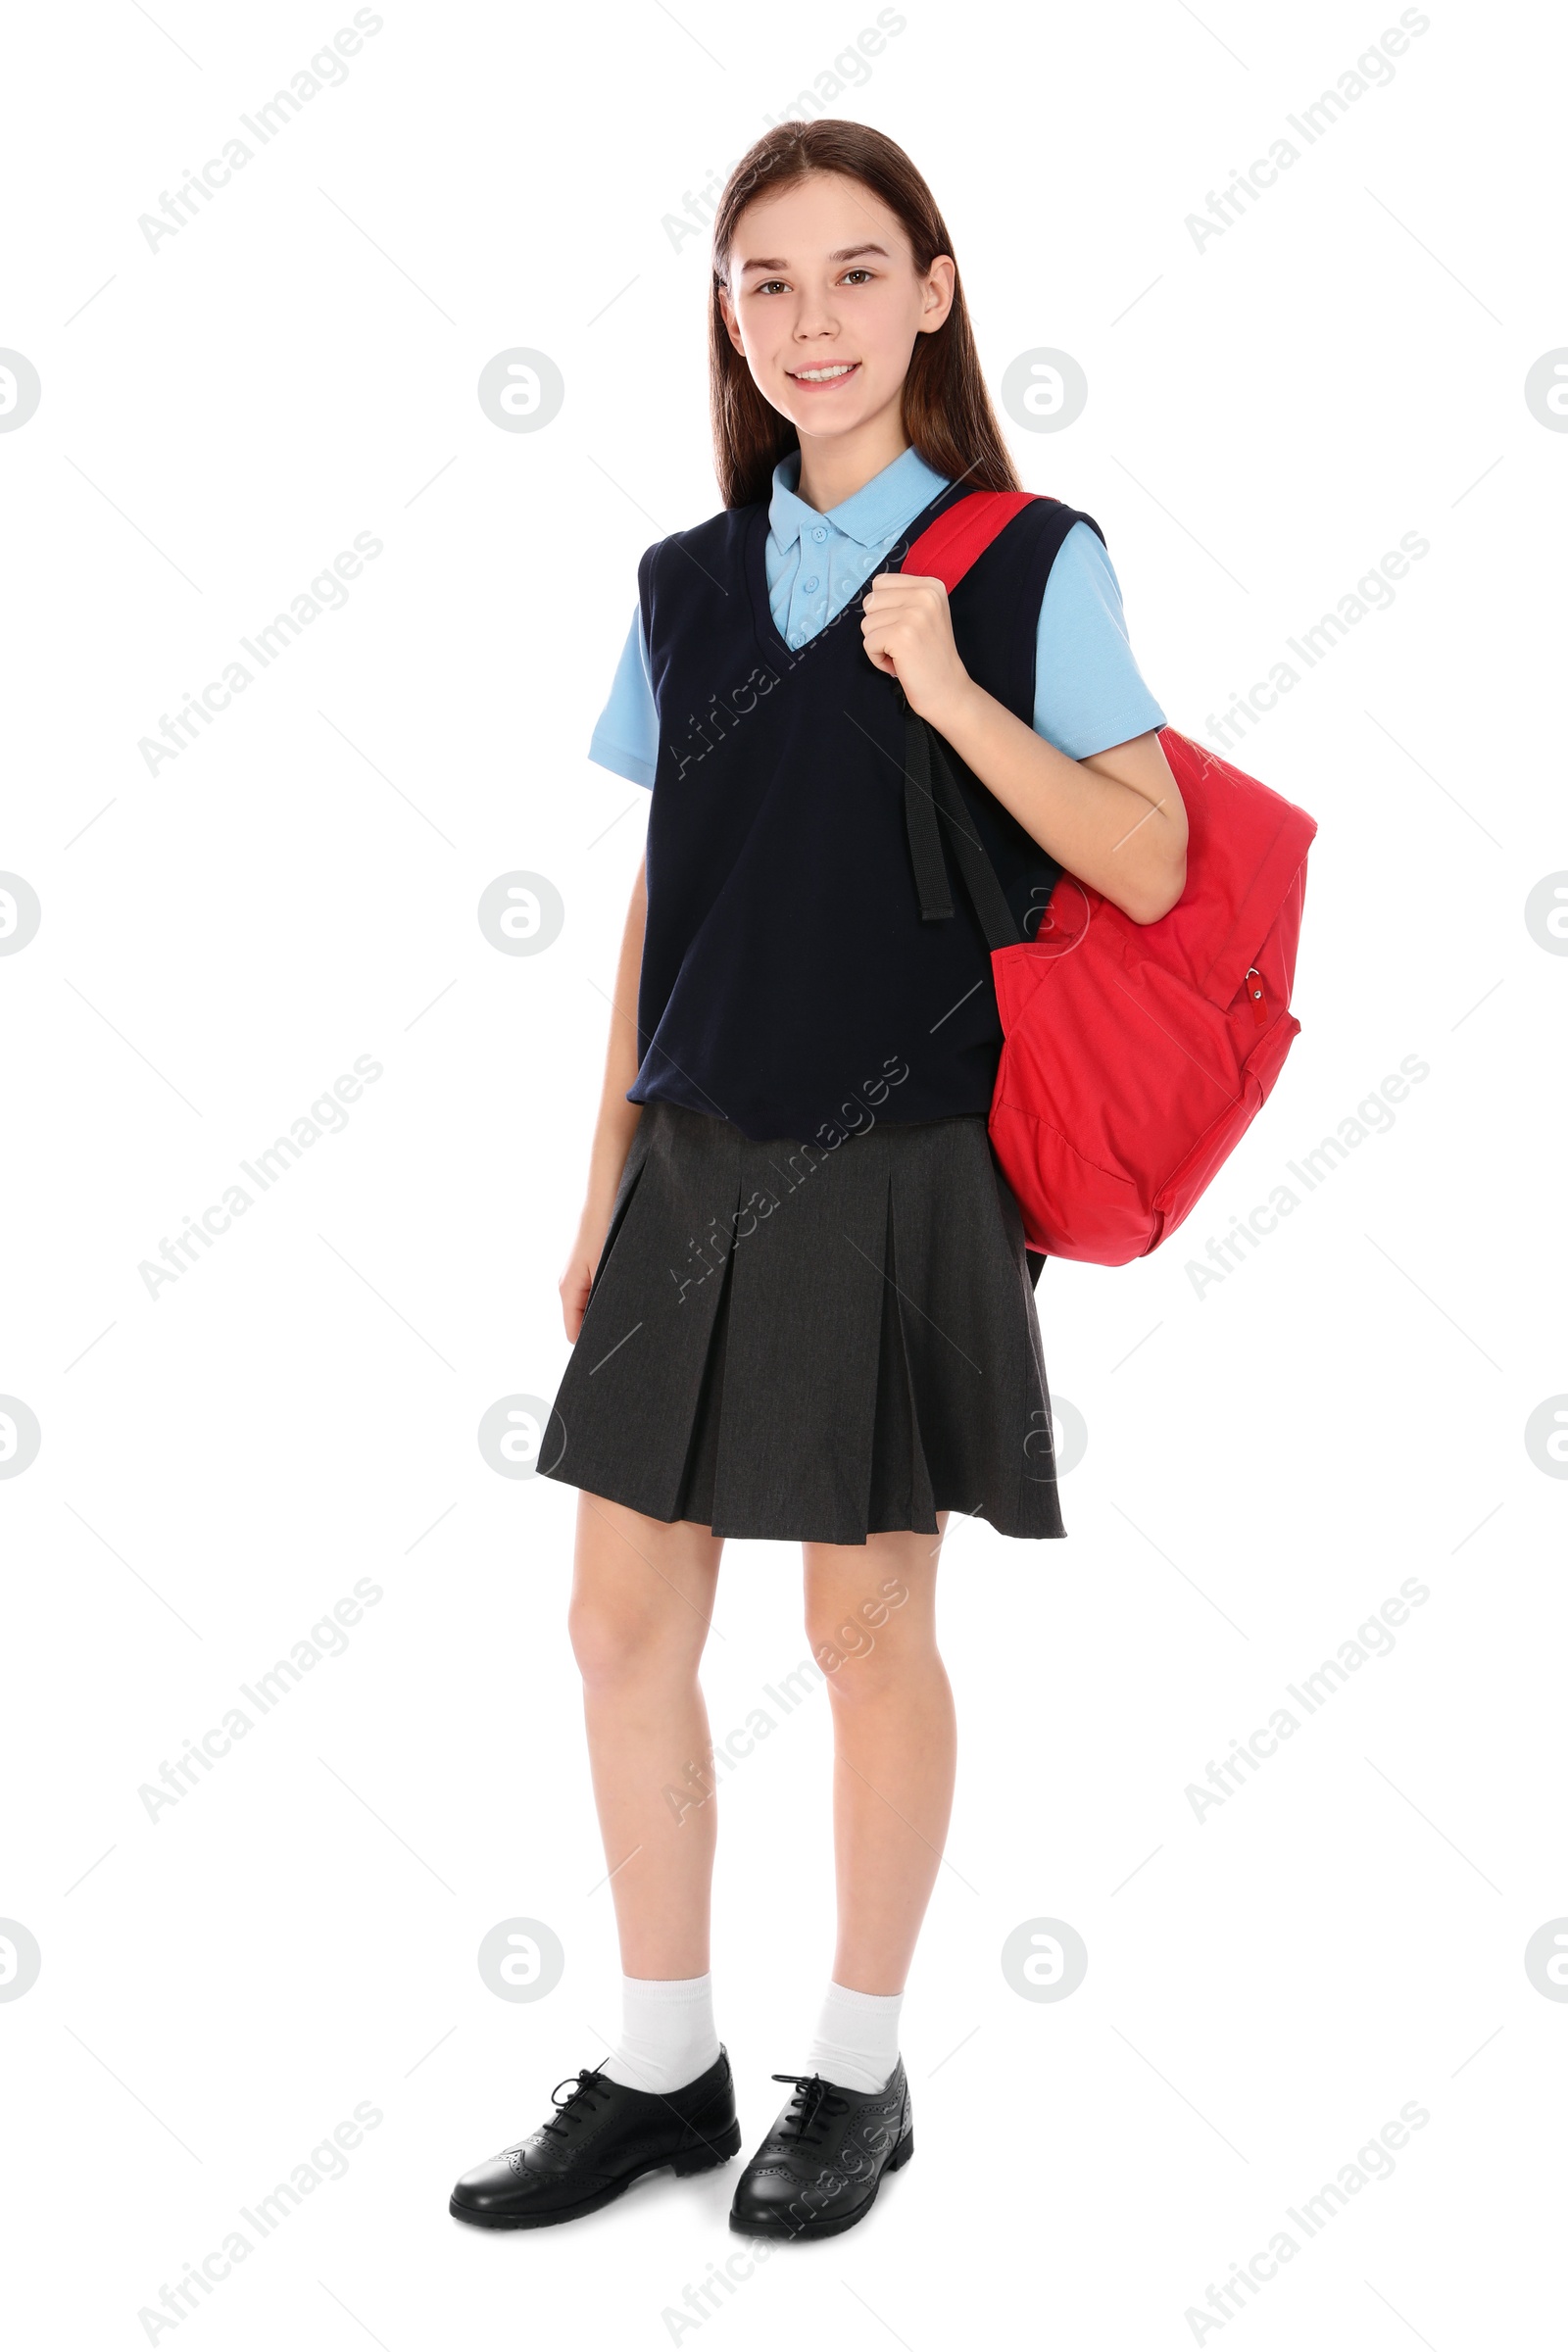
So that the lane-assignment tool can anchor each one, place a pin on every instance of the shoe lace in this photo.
(813, 2102)
(588, 2083)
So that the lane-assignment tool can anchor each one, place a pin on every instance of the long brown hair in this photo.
(946, 409)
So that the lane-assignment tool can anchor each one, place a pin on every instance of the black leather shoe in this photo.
(819, 2169)
(602, 2138)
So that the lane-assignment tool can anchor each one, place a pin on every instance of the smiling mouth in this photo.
(837, 373)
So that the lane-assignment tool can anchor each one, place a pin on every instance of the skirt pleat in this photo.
(901, 1495)
(812, 1345)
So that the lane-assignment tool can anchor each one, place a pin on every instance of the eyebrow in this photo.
(845, 253)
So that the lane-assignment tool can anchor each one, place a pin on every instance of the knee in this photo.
(616, 1643)
(860, 1662)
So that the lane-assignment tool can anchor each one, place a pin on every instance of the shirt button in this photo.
(798, 637)
(808, 585)
(818, 532)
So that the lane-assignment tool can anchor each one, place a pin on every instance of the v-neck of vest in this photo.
(767, 630)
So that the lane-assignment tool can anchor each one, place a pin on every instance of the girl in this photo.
(800, 1293)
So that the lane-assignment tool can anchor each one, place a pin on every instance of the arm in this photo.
(1115, 821)
(617, 1118)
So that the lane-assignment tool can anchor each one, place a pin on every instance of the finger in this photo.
(908, 596)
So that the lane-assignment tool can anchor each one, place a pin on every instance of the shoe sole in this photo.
(706, 2159)
(842, 2222)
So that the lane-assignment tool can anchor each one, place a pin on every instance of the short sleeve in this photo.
(626, 738)
(1088, 693)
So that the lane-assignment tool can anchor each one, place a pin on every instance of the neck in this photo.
(832, 470)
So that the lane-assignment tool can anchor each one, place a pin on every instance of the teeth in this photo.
(821, 375)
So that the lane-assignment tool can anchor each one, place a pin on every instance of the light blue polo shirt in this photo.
(1088, 691)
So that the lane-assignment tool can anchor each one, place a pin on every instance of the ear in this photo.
(726, 309)
(940, 284)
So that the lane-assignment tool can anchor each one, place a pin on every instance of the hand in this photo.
(909, 634)
(577, 1280)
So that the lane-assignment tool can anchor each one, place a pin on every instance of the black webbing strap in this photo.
(920, 822)
(931, 789)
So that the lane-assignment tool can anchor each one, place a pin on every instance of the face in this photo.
(825, 303)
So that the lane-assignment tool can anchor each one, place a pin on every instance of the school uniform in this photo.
(814, 1315)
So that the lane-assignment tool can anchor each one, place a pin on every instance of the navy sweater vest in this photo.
(789, 983)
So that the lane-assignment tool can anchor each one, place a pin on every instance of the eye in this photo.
(766, 283)
(857, 271)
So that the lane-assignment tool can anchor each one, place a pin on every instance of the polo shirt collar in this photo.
(875, 513)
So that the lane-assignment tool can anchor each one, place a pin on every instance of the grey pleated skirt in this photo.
(812, 1344)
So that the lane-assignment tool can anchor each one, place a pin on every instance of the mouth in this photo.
(823, 379)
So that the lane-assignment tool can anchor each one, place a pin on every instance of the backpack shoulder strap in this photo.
(960, 537)
(946, 550)
(931, 790)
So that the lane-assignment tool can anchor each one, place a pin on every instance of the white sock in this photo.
(667, 2035)
(857, 2039)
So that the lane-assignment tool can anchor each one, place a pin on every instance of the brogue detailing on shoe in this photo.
(602, 2137)
(822, 2162)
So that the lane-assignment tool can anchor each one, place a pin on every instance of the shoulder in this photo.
(1085, 546)
(1083, 567)
(1088, 690)
(1048, 536)
(1078, 535)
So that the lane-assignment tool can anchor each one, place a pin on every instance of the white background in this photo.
(220, 1987)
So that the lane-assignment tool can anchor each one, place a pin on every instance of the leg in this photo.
(642, 1600)
(894, 1744)
(871, 1614)
(640, 1607)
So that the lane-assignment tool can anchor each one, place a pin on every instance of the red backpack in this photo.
(1135, 1056)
